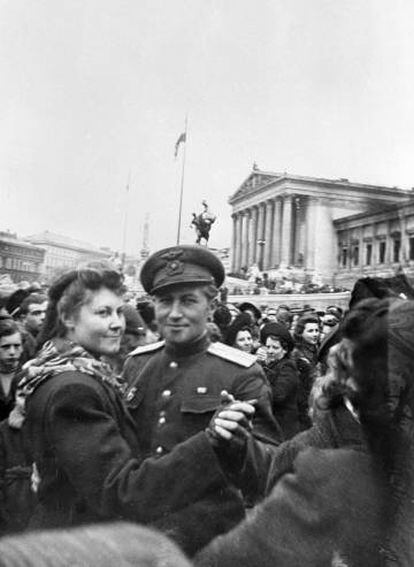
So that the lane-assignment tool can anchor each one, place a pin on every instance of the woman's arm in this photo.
(91, 452)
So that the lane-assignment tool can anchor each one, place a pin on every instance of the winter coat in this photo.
(305, 357)
(284, 382)
(173, 394)
(91, 466)
(329, 512)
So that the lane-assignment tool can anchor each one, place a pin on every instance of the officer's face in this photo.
(182, 313)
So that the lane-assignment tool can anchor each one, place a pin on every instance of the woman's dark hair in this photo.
(383, 360)
(278, 332)
(353, 328)
(222, 316)
(286, 345)
(241, 323)
(70, 291)
(301, 324)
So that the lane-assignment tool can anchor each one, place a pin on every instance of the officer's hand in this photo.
(233, 420)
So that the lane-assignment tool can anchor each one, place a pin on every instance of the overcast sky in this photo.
(95, 91)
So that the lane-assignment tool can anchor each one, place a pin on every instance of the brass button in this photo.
(159, 450)
(162, 420)
(166, 393)
(173, 364)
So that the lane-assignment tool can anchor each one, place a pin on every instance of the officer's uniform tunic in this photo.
(173, 392)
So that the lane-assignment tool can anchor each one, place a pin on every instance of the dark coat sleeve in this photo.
(312, 516)
(264, 465)
(98, 462)
(283, 381)
(252, 384)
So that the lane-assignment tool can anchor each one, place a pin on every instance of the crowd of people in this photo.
(237, 436)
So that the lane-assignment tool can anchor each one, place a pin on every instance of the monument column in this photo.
(286, 230)
(277, 224)
(260, 235)
(252, 236)
(267, 262)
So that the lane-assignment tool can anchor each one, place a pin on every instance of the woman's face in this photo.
(311, 333)
(275, 351)
(99, 324)
(244, 341)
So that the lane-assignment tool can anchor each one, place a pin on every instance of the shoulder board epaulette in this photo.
(152, 347)
(232, 354)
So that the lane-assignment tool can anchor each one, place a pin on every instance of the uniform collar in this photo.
(183, 350)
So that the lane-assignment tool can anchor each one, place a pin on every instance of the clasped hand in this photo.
(233, 420)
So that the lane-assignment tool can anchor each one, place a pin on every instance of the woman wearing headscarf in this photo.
(88, 466)
(239, 334)
(282, 375)
(346, 507)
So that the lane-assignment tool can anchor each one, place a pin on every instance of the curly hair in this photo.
(301, 324)
(72, 290)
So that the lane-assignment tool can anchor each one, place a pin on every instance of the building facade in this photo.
(20, 260)
(283, 221)
(62, 252)
(379, 244)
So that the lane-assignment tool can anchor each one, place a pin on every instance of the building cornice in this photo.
(263, 184)
(390, 213)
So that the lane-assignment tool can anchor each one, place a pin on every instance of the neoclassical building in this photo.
(285, 221)
(379, 244)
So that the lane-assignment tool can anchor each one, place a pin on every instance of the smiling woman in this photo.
(84, 447)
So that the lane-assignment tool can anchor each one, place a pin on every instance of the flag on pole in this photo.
(181, 139)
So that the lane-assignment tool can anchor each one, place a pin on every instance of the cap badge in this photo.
(175, 267)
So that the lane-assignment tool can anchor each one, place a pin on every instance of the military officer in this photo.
(175, 385)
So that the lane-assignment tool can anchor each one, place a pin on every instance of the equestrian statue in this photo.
(202, 223)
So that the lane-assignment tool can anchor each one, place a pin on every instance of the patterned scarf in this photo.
(58, 356)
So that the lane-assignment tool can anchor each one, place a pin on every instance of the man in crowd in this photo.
(176, 385)
(32, 313)
(10, 357)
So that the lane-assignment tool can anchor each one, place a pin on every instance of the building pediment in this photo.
(256, 180)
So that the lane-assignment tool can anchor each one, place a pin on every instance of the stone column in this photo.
(234, 244)
(245, 237)
(260, 233)
(252, 236)
(388, 246)
(404, 252)
(298, 225)
(267, 261)
(239, 241)
(286, 231)
(375, 245)
(310, 234)
(277, 225)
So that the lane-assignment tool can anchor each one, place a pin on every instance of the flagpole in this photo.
(124, 232)
(180, 209)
